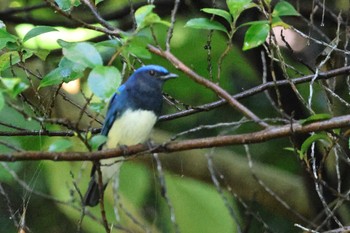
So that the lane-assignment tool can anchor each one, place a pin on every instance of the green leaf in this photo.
(54, 77)
(12, 58)
(154, 18)
(141, 13)
(252, 23)
(71, 70)
(10, 83)
(284, 9)
(65, 72)
(255, 35)
(66, 5)
(19, 88)
(145, 17)
(138, 47)
(97, 107)
(277, 21)
(308, 142)
(2, 101)
(14, 86)
(104, 81)
(226, 15)
(316, 117)
(6, 37)
(97, 140)
(82, 53)
(41, 53)
(236, 7)
(204, 23)
(60, 145)
(107, 49)
(38, 31)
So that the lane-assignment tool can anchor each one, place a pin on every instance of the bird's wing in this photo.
(114, 110)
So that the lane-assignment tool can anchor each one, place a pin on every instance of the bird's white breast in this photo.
(131, 128)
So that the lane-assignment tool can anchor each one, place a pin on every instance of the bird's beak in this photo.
(169, 76)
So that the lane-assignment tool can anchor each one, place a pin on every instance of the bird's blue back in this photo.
(140, 91)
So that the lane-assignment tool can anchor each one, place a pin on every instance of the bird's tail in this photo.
(92, 195)
(109, 169)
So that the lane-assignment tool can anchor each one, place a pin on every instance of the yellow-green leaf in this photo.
(284, 8)
(256, 35)
(204, 23)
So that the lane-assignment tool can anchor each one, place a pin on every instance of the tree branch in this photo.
(205, 82)
(258, 89)
(219, 141)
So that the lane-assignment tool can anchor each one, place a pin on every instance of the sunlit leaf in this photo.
(11, 58)
(236, 7)
(145, 17)
(10, 83)
(38, 31)
(204, 23)
(284, 8)
(219, 12)
(19, 88)
(255, 35)
(66, 5)
(154, 18)
(104, 81)
(316, 117)
(60, 145)
(82, 53)
(96, 141)
(14, 86)
(6, 37)
(142, 12)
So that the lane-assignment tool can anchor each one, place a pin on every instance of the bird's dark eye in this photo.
(152, 72)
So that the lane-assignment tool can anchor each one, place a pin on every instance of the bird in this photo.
(131, 115)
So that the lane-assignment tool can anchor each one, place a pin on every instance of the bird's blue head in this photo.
(144, 87)
(152, 74)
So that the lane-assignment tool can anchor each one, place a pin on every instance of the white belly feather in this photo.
(133, 127)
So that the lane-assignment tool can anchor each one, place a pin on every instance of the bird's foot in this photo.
(125, 149)
(151, 145)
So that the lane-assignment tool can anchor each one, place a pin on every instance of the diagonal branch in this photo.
(258, 89)
(219, 141)
(207, 83)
